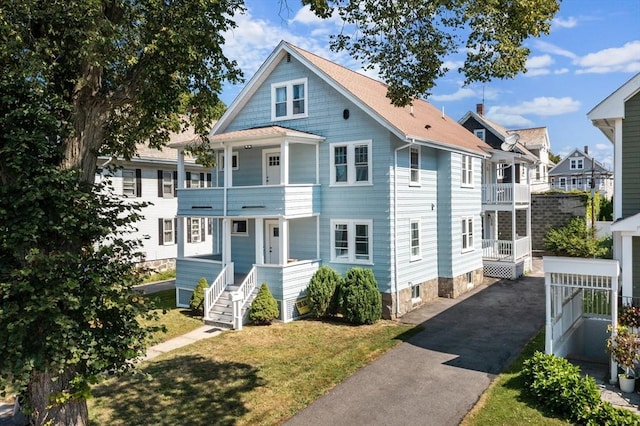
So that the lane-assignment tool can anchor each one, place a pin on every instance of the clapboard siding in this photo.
(189, 272)
(243, 249)
(302, 238)
(631, 157)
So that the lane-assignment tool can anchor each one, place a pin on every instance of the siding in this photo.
(302, 238)
(631, 157)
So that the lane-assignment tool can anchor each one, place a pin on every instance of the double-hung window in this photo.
(467, 234)
(414, 160)
(467, 170)
(289, 100)
(576, 164)
(351, 163)
(167, 231)
(129, 183)
(234, 162)
(195, 228)
(480, 133)
(351, 241)
(415, 240)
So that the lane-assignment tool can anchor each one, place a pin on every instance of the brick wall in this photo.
(552, 211)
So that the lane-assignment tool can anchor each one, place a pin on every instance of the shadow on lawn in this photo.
(189, 390)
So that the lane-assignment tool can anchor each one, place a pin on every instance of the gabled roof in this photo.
(421, 121)
(596, 164)
(612, 107)
(533, 138)
(262, 133)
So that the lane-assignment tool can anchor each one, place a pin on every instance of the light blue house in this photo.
(316, 167)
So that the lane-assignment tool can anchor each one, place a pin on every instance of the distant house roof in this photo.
(421, 122)
(533, 138)
(559, 169)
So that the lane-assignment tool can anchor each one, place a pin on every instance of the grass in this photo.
(160, 276)
(177, 321)
(258, 376)
(505, 403)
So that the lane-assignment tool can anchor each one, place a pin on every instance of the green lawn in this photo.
(176, 320)
(504, 402)
(257, 376)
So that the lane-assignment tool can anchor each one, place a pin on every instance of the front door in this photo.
(271, 167)
(272, 239)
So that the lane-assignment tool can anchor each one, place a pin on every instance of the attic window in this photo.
(480, 133)
(289, 100)
(577, 164)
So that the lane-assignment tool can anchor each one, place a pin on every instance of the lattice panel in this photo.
(500, 270)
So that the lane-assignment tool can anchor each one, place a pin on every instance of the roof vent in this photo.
(288, 57)
(427, 126)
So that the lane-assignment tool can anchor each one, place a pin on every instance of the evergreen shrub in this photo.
(576, 240)
(197, 297)
(264, 308)
(361, 301)
(323, 292)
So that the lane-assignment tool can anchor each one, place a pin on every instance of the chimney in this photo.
(480, 109)
(586, 150)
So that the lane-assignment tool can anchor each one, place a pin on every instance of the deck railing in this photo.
(505, 193)
(241, 296)
(504, 249)
(216, 288)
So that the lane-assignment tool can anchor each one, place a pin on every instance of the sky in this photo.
(593, 48)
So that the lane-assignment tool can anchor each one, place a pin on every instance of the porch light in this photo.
(248, 146)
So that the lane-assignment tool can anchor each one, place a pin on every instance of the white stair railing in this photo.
(216, 288)
(241, 295)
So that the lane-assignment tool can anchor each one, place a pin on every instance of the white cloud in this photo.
(542, 106)
(603, 146)
(613, 59)
(452, 65)
(561, 71)
(307, 17)
(547, 47)
(541, 61)
(461, 93)
(569, 22)
(537, 72)
(509, 120)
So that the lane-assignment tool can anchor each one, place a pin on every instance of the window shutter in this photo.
(188, 180)
(188, 229)
(208, 180)
(175, 183)
(175, 230)
(138, 182)
(209, 226)
(160, 232)
(203, 223)
(202, 185)
(160, 183)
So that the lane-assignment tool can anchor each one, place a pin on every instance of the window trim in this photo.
(417, 181)
(351, 240)
(244, 233)
(562, 183)
(579, 163)
(466, 171)
(132, 178)
(478, 132)
(201, 236)
(351, 163)
(161, 230)
(234, 159)
(288, 85)
(416, 294)
(467, 242)
(418, 256)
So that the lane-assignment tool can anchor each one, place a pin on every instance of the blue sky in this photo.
(593, 48)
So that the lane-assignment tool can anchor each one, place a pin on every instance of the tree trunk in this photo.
(41, 387)
(90, 115)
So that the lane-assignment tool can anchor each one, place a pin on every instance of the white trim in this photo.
(351, 240)
(478, 132)
(265, 154)
(220, 163)
(470, 231)
(239, 233)
(466, 171)
(417, 182)
(288, 86)
(351, 166)
(418, 256)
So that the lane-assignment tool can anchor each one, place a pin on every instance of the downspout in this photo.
(395, 222)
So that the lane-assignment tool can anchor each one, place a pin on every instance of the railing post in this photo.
(207, 303)
(236, 299)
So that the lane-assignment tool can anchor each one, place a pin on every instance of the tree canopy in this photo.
(410, 40)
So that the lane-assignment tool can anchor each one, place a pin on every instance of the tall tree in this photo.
(409, 40)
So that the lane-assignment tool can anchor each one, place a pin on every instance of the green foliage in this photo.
(264, 308)
(576, 240)
(159, 276)
(410, 41)
(323, 292)
(629, 316)
(197, 297)
(606, 209)
(361, 300)
(559, 387)
(623, 346)
(555, 158)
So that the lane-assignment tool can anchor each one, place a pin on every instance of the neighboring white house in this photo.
(580, 171)
(151, 176)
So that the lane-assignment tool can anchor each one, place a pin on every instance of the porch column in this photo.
(259, 241)
(226, 246)
(317, 237)
(617, 177)
(284, 240)
(317, 165)
(228, 166)
(613, 366)
(627, 268)
(284, 163)
(181, 173)
(548, 334)
(180, 237)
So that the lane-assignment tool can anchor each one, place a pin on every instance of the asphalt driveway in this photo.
(437, 376)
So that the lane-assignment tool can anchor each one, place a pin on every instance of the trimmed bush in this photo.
(322, 292)
(361, 300)
(559, 387)
(197, 297)
(575, 240)
(264, 308)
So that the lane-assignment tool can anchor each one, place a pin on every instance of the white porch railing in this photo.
(216, 288)
(505, 193)
(504, 249)
(240, 297)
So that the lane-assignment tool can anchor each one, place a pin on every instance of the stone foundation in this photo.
(428, 293)
(453, 288)
(159, 265)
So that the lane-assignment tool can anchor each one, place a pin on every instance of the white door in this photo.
(271, 167)
(272, 239)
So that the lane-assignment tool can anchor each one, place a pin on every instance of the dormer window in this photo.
(577, 164)
(480, 133)
(289, 100)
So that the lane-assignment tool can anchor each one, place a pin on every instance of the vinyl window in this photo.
(289, 100)
(351, 163)
(467, 233)
(414, 160)
(467, 170)
(351, 241)
(415, 240)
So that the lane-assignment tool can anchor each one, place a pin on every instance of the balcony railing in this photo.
(505, 193)
(263, 200)
(503, 250)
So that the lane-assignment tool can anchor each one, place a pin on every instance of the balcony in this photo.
(505, 250)
(505, 194)
(261, 200)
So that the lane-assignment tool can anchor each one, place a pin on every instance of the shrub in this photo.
(323, 292)
(197, 297)
(559, 387)
(361, 300)
(629, 316)
(264, 308)
(575, 240)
